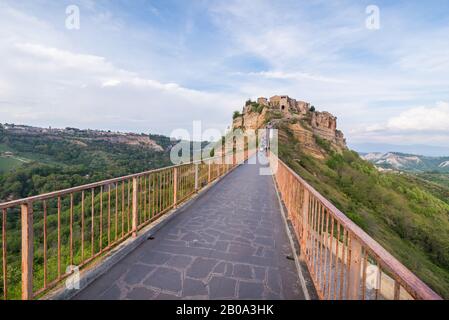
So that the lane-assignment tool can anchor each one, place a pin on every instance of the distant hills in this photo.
(425, 150)
(83, 137)
(407, 162)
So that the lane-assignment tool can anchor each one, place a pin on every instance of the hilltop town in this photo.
(81, 137)
(309, 126)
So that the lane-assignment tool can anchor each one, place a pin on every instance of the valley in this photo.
(36, 160)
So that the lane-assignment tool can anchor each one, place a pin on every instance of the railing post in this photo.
(208, 173)
(27, 251)
(223, 158)
(196, 177)
(135, 203)
(175, 187)
(305, 221)
(355, 262)
(234, 151)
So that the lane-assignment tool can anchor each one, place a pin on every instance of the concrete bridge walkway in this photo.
(230, 243)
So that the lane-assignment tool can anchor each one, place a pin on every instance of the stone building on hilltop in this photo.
(283, 103)
(304, 123)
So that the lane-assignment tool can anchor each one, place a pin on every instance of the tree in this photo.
(235, 115)
(312, 109)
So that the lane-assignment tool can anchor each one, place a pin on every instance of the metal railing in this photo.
(73, 227)
(343, 261)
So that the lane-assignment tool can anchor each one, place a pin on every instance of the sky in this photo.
(156, 66)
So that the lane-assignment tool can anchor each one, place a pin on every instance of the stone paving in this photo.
(230, 243)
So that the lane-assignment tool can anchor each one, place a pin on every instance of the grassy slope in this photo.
(408, 217)
(441, 179)
(7, 164)
(20, 158)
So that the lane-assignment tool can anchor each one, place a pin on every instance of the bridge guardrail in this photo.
(343, 260)
(75, 226)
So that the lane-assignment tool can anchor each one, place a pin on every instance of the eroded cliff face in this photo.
(307, 140)
(324, 125)
(314, 130)
(251, 120)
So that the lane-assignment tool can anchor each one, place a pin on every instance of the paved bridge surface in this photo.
(230, 243)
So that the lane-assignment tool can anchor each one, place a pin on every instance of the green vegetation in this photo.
(235, 115)
(272, 115)
(4, 147)
(119, 223)
(255, 107)
(406, 214)
(8, 163)
(323, 143)
(441, 179)
(59, 163)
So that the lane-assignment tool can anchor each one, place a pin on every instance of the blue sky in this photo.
(155, 66)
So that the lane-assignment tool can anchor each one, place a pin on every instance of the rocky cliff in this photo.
(315, 131)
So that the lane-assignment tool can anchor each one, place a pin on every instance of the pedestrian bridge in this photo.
(210, 229)
(230, 243)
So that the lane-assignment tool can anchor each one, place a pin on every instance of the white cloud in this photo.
(98, 68)
(286, 34)
(47, 80)
(255, 27)
(422, 119)
(65, 91)
(295, 76)
(64, 58)
(111, 83)
(417, 125)
(139, 75)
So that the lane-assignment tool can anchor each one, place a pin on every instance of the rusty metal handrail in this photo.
(92, 219)
(53, 194)
(338, 252)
